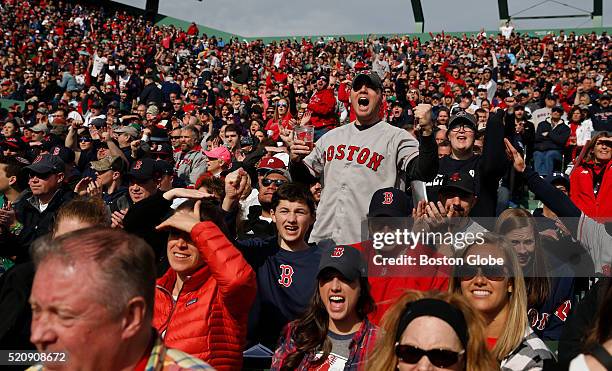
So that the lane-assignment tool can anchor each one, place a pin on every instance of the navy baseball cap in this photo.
(47, 163)
(558, 109)
(144, 170)
(390, 202)
(66, 154)
(345, 259)
(462, 181)
(164, 167)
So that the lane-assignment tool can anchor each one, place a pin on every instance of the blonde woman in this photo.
(281, 119)
(433, 331)
(498, 293)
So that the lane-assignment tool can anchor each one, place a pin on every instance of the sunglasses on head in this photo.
(269, 182)
(441, 358)
(467, 272)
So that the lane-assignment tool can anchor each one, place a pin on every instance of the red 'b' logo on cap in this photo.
(388, 198)
(56, 151)
(455, 177)
(38, 158)
(137, 165)
(338, 251)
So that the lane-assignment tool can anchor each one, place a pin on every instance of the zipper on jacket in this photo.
(174, 302)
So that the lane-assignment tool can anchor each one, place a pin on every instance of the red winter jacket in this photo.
(582, 194)
(209, 317)
(323, 108)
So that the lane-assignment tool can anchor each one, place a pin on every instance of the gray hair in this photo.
(124, 264)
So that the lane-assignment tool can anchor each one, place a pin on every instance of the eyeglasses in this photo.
(467, 272)
(441, 358)
(84, 140)
(269, 182)
(43, 176)
(463, 128)
(281, 104)
(607, 143)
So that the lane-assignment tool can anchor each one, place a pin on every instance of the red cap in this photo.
(268, 163)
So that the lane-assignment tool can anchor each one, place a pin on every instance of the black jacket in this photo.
(36, 223)
(15, 312)
(548, 138)
(141, 220)
(151, 94)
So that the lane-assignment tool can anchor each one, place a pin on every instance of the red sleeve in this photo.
(343, 93)
(228, 267)
(323, 103)
(442, 70)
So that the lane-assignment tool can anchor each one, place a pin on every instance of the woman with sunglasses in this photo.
(497, 292)
(334, 332)
(434, 331)
(591, 180)
(281, 118)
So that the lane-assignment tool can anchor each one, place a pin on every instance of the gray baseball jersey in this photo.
(353, 164)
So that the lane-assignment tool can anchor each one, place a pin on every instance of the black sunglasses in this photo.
(441, 358)
(367, 83)
(607, 143)
(43, 176)
(277, 182)
(83, 140)
(467, 272)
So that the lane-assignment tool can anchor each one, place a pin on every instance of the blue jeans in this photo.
(544, 161)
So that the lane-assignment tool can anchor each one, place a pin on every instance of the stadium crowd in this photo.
(170, 199)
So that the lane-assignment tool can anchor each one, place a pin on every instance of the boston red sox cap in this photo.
(390, 202)
(371, 80)
(461, 180)
(345, 259)
(47, 163)
(144, 170)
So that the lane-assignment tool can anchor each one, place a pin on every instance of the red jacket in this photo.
(582, 194)
(323, 108)
(209, 317)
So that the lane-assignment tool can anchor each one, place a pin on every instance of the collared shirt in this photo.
(163, 359)
(363, 341)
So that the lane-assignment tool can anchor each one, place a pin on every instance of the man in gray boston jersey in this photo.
(355, 160)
